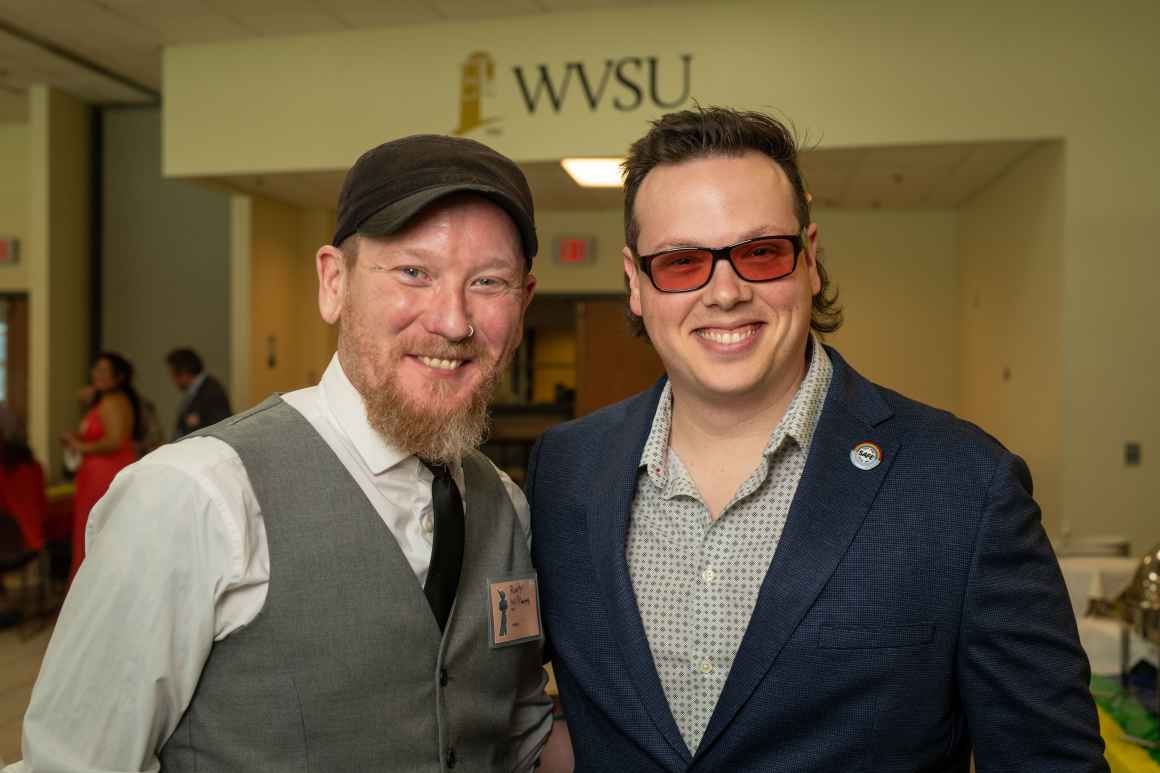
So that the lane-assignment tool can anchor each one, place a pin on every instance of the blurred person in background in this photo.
(105, 441)
(203, 398)
(22, 494)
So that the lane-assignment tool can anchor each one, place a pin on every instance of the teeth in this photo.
(727, 337)
(433, 362)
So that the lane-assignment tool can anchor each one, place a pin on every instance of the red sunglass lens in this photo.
(681, 270)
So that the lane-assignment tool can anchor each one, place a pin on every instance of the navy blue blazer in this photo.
(911, 612)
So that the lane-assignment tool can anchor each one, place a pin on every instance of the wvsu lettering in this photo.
(626, 83)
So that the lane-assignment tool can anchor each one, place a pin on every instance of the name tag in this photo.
(513, 610)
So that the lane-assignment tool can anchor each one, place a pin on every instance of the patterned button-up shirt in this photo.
(696, 579)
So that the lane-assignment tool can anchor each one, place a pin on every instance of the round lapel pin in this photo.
(866, 456)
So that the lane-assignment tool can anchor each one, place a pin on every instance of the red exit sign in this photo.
(9, 249)
(575, 250)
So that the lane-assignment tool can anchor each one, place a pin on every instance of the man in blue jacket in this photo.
(766, 562)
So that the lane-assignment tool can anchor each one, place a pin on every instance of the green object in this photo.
(1128, 712)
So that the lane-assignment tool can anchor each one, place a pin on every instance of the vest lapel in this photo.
(831, 502)
(608, 518)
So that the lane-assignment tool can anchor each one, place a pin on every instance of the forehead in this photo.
(455, 226)
(713, 199)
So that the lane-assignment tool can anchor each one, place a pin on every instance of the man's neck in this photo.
(700, 421)
(721, 442)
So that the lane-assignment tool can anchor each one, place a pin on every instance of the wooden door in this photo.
(16, 355)
(611, 363)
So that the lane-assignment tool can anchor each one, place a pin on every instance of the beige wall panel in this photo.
(1111, 371)
(58, 265)
(316, 339)
(241, 300)
(897, 277)
(284, 293)
(274, 290)
(1011, 269)
(14, 199)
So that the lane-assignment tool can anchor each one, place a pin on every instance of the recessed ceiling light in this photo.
(594, 172)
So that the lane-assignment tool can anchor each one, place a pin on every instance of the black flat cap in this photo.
(392, 183)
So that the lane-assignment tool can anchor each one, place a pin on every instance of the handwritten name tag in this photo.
(514, 610)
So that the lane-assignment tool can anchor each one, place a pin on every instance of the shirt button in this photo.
(709, 575)
(428, 523)
(706, 666)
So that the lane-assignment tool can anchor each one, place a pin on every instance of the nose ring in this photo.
(470, 330)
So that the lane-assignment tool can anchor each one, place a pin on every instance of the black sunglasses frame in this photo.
(722, 253)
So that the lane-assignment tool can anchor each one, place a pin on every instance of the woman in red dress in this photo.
(105, 440)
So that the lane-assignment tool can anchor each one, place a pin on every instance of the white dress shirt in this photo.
(176, 560)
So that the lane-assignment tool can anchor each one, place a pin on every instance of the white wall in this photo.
(166, 261)
(897, 278)
(1011, 272)
(14, 198)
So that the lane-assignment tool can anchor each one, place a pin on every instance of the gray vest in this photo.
(345, 669)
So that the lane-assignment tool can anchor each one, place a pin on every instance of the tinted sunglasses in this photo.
(685, 269)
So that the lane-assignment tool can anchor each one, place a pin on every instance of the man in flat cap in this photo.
(314, 584)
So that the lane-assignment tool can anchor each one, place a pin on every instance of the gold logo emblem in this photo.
(476, 80)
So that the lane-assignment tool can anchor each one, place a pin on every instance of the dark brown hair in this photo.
(720, 131)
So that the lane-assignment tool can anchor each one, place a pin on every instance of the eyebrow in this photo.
(427, 257)
(753, 233)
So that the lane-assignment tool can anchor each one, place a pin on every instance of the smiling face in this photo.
(732, 342)
(429, 318)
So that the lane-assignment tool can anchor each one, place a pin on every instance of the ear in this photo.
(633, 274)
(811, 258)
(332, 276)
(529, 291)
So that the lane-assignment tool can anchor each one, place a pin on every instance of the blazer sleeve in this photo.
(538, 519)
(1022, 676)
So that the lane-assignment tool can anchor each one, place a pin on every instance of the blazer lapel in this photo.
(831, 502)
(608, 528)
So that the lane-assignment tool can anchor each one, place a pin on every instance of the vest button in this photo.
(443, 677)
(450, 758)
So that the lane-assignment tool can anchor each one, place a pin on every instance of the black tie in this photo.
(447, 550)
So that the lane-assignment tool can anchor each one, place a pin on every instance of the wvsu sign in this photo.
(623, 84)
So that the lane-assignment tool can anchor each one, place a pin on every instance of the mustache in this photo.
(441, 348)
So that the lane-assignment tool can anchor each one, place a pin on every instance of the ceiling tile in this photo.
(465, 10)
(987, 161)
(386, 17)
(273, 24)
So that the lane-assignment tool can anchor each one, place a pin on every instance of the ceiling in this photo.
(125, 37)
(894, 177)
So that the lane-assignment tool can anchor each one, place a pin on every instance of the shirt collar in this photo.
(655, 457)
(801, 417)
(799, 422)
(195, 385)
(349, 413)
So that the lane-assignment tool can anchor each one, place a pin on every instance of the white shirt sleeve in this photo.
(532, 719)
(167, 548)
(519, 503)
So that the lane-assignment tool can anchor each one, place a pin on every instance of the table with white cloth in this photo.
(1103, 578)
